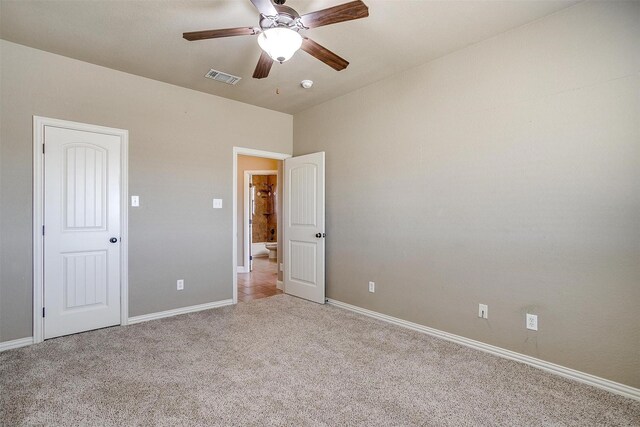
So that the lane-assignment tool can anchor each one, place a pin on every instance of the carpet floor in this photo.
(284, 361)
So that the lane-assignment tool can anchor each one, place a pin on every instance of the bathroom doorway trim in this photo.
(237, 151)
(247, 213)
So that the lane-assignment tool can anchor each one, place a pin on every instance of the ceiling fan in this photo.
(279, 32)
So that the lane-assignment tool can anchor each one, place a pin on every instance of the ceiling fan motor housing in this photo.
(286, 17)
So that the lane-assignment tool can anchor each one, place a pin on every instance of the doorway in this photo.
(80, 227)
(301, 227)
(259, 212)
(255, 275)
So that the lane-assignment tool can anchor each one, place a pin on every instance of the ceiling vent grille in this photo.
(222, 77)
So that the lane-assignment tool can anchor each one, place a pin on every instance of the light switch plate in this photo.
(217, 203)
(135, 201)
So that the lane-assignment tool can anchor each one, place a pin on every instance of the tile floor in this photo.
(261, 282)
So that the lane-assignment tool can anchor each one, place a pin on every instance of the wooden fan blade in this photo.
(215, 34)
(264, 66)
(324, 54)
(333, 15)
(265, 7)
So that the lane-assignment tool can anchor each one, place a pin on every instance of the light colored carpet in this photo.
(285, 361)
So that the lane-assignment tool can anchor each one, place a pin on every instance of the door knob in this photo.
(318, 235)
(113, 239)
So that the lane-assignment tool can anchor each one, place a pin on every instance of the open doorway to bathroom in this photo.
(259, 212)
(262, 237)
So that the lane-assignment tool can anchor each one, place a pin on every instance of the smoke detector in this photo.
(306, 84)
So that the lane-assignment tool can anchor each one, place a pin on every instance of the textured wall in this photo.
(180, 158)
(507, 173)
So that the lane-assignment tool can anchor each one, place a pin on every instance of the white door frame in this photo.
(255, 153)
(247, 213)
(39, 124)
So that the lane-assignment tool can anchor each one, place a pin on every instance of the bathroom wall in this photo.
(264, 218)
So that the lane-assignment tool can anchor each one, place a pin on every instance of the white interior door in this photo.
(82, 231)
(304, 238)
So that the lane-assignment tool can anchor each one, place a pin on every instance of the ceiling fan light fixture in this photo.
(280, 43)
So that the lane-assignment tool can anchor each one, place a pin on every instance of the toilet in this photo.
(273, 249)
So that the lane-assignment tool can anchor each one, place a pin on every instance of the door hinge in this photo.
(42, 148)
(43, 230)
(250, 257)
(42, 311)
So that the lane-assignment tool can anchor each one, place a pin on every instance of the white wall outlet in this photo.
(282, 266)
(135, 201)
(180, 284)
(217, 203)
(372, 286)
(532, 322)
(483, 311)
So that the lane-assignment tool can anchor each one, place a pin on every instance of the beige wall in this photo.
(507, 173)
(180, 158)
(246, 163)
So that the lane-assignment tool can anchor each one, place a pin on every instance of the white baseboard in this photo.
(21, 342)
(279, 285)
(240, 269)
(582, 377)
(176, 311)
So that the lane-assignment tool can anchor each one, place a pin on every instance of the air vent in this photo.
(222, 77)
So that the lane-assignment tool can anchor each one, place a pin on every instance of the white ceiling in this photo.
(145, 38)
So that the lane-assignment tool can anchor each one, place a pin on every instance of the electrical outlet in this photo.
(282, 266)
(180, 284)
(483, 311)
(532, 322)
(372, 287)
(135, 201)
